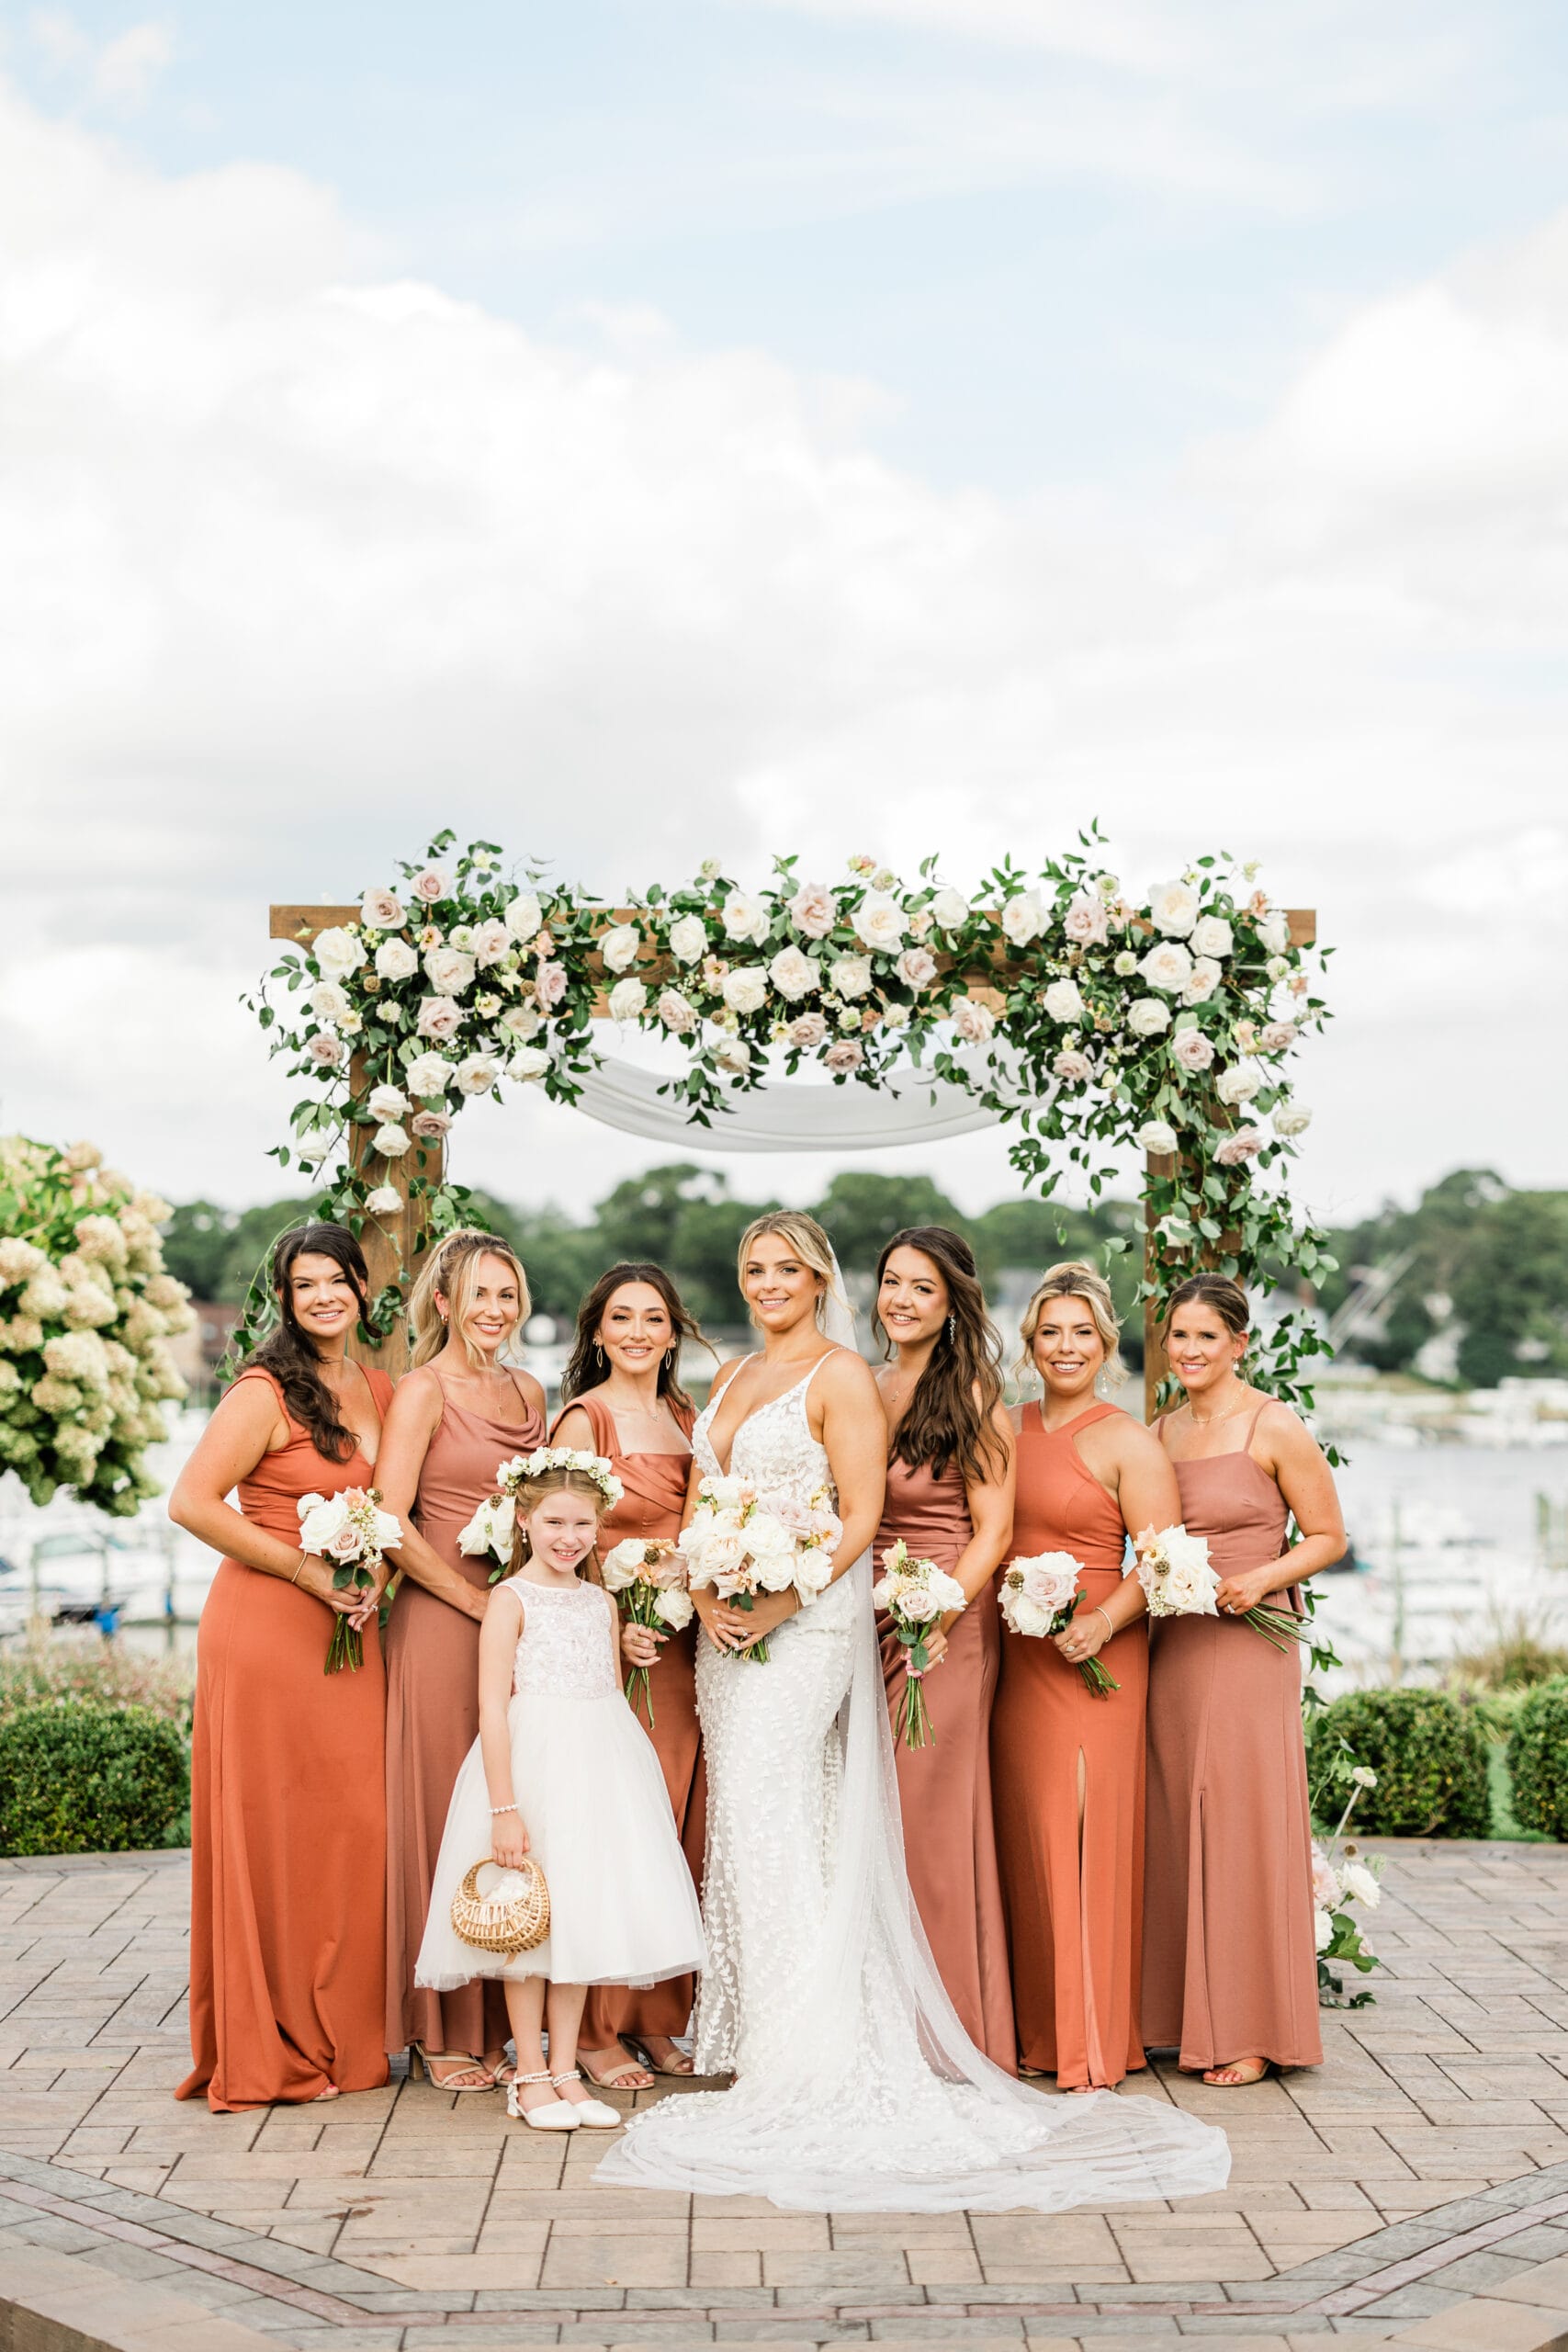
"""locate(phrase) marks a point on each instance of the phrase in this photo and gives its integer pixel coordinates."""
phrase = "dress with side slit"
(1230, 1957)
(1067, 1770)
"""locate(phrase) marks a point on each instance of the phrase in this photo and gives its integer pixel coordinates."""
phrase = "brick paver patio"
(1414, 2188)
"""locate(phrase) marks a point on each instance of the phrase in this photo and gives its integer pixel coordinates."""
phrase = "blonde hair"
(453, 1269)
(1072, 1279)
(532, 1493)
(804, 1236)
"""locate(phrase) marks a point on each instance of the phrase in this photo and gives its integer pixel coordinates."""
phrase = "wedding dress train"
(857, 2086)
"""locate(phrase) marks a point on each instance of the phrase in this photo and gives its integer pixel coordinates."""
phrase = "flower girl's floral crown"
(523, 1468)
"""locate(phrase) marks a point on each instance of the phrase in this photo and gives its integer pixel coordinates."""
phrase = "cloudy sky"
(650, 429)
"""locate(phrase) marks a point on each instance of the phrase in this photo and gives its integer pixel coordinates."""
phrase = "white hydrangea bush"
(86, 1312)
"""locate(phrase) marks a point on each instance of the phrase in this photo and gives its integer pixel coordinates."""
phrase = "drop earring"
(951, 1329)
(598, 1355)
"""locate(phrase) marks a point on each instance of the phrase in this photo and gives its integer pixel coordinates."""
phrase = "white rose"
(1274, 933)
(745, 917)
(1174, 907)
(917, 967)
(524, 1021)
(879, 921)
(619, 947)
(1023, 918)
(975, 1023)
(896, 1016)
(428, 1075)
(1204, 979)
(1211, 936)
(792, 974)
(813, 909)
(626, 1000)
(337, 952)
(529, 1062)
(385, 1201)
(524, 915)
(1062, 1001)
(1238, 1085)
(390, 1140)
(387, 1102)
(329, 1002)
(1360, 1883)
(746, 989)
(734, 1054)
(688, 939)
(1322, 1929)
(323, 1519)
(1167, 965)
(675, 1608)
(1291, 1119)
(1157, 1134)
(1026, 1616)
(478, 1074)
(1192, 1049)
(491, 942)
(850, 976)
(448, 970)
(1146, 1016)
(396, 960)
(950, 910)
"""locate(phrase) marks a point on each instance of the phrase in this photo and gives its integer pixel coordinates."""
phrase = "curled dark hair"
(289, 1353)
(587, 1366)
(949, 1417)
(1227, 1298)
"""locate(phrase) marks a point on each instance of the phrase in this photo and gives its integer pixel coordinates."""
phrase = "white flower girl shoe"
(593, 2114)
(556, 2115)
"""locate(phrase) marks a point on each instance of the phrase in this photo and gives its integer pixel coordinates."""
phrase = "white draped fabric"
(908, 1107)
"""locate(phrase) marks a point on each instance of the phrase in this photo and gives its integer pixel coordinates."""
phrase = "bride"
(856, 2085)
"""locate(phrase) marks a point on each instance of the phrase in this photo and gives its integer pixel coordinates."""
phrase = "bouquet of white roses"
(1179, 1580)
(493, 1526)
(1040, 1597)
(915, 1593)
(742, 1542)
(648, 1580)
(1340, 1877)
(352, 1532)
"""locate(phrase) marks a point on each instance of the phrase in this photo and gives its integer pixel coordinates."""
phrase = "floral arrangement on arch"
(1090, 1018)
(85, 1307)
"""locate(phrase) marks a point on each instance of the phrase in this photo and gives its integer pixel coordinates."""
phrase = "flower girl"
(563, 1771)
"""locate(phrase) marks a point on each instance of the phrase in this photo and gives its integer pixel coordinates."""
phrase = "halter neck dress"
(289, 1824)
(944, 1790)
(1072, 1893)
(1230, 1957)
(432, 1719)
(651, 1506)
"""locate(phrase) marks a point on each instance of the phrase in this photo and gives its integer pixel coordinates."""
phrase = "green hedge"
(77, 1780)
(1429, 1755)
(1537, 1758)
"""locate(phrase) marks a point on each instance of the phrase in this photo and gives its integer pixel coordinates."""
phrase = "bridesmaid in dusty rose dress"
(458, 1413)
(1069, 1766)
(1230, 1965)
(949, 1480)
(622, 1398)
(287, 1809)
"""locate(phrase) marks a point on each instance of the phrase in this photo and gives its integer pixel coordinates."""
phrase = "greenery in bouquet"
(85, 1310)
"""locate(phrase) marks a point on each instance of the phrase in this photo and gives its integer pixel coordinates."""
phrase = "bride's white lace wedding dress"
(857, 2086)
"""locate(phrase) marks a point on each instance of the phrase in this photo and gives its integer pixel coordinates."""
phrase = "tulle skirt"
(589, 1786)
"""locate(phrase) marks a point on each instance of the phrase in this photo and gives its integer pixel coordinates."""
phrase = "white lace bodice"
(565, 1649)
(773, 1445)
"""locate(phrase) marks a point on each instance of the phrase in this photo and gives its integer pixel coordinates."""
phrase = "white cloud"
(117, 74)
(303, 563)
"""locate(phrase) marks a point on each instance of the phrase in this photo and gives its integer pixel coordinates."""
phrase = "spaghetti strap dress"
(1230, 1957)
(432, 1720)
(288, 1821)
(944, 1790)
(651, 1506)
(1073, 1891)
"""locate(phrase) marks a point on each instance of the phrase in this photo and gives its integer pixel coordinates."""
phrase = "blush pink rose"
(812, 910)
(549, 986)
(917, 967)
(1192, 1049)
(1278, 1036)
(1072, 1068)
(1245, 1144)
(975, 1023)
(325, 1050)
(1086, 922)
(808, 1030)
(429, 886)
(430, 1125)
(382, 911)
(491, 942)
(439, 1017)
(848, 1054)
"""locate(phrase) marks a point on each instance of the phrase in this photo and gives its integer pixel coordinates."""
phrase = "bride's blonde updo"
(804, 1237)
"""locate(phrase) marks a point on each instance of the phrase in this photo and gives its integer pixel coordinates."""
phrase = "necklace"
(1199, 1422)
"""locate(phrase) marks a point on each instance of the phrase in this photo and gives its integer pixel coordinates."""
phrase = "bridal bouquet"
(493, 1526)
(352, 1532)
(915, 1593)
(1041, 1597)
(1179, 1580)
(742, 1542)
(648, 1580)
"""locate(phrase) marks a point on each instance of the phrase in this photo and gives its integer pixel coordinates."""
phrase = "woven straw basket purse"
(508, 1924)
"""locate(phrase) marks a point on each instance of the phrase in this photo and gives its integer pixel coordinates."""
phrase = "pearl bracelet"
(502, 1808)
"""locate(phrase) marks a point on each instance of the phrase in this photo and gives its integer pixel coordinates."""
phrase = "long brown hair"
(588, 1367)
(949, 1415)
(290, 1352)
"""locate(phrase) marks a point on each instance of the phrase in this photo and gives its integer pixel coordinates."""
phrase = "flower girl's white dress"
(591, 1792)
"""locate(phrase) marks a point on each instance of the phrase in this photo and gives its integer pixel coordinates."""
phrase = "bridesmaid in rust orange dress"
(459, 1412)
(950, 1477)
(1068, 1766)
(287, 1810)
(623, 1399)
(1230, 1959)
